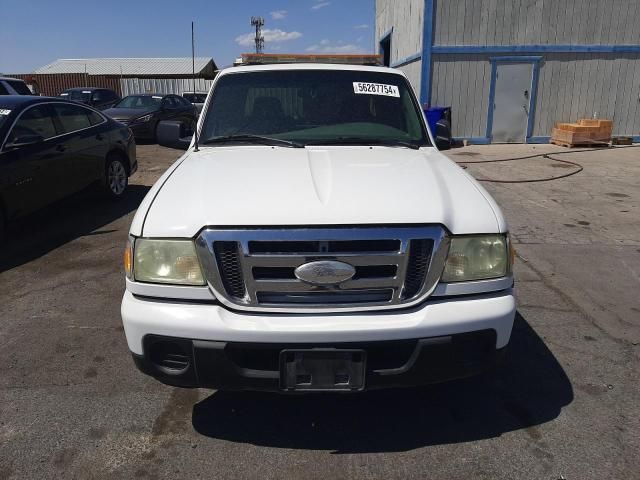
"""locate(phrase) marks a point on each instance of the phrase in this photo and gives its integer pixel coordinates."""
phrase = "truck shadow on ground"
(528, 389)
(79, 215)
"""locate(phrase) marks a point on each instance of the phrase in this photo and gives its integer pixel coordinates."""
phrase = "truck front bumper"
(206, 345)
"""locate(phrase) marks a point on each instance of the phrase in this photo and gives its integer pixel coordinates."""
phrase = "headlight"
(477, 257)
(166, 261)
(142, 119)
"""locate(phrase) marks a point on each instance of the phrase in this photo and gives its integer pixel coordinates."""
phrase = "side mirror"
(25, 141)
(443, 134)
(174, 135)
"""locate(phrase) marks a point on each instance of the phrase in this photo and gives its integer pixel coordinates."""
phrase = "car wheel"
(116, 176)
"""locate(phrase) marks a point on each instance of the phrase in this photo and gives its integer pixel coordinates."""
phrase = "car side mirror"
(174, 134)
(25, 141)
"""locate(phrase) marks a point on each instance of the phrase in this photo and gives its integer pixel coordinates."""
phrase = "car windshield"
(195, 97)
(316, 107)
(83, 96)
(142, 102)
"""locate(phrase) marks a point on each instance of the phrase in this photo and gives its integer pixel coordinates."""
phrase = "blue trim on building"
(533, 89)
(488, 49)
(533, 94)
(492, 98)
(406, 60)
(516, 58)
(474, 140)
(538, 139)
(384, 36)
(427, 44)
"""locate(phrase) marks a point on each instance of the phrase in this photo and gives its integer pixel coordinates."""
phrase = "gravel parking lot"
(564, 405)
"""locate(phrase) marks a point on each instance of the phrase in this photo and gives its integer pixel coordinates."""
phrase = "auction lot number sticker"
(376, 89)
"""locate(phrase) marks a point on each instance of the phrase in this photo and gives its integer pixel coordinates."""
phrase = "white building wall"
(533, 22)
(404, 20)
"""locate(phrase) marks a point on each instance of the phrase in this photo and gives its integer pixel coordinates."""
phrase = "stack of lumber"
(587, 132)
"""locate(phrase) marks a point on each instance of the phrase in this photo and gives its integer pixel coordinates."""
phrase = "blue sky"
(36, 32)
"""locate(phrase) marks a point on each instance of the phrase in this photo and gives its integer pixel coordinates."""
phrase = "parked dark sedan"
(100, 98)
(51, 148)
(143, 112)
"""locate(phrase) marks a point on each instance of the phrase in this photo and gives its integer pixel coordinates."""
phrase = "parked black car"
(51, 148)
(100, 98)
(13, 86)
(197, 99)
(143, 112)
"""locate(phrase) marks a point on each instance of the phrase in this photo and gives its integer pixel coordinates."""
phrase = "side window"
(109, 95)
(99, 96)
(72, 117)
(183, 102)
(3, 89)
(169, 102)
(94, 118)
(35, 121)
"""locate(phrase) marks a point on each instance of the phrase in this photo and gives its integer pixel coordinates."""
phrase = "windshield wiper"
(364, 141)
(254, 139)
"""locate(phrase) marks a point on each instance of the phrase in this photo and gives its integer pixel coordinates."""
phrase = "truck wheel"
(116, 177)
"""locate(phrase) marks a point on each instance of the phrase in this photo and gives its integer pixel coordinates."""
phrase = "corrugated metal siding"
(130, 86)
(130, 66)
(521, 22)
(573, 86)
(52, 85)
(462, 82)
(413, 71)
(570, 86)
(406, 18)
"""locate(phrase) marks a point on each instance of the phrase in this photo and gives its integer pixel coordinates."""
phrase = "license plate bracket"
(321, 369)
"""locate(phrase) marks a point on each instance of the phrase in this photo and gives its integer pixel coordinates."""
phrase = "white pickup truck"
(315, 240)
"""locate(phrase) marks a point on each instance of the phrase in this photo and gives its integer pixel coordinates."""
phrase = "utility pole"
(258, 22)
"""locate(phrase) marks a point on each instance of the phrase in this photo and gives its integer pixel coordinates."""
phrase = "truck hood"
(338, 185)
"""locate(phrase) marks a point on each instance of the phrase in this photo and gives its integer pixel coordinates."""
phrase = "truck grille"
(255, 269)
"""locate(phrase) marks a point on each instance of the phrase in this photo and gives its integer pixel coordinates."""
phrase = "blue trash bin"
(434, 114)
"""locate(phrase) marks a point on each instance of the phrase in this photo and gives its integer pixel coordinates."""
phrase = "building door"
(512, 92)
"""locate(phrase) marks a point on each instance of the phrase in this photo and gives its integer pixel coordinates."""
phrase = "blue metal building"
(511, 69)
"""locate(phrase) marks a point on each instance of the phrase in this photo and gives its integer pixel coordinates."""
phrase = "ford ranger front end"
(316, 241)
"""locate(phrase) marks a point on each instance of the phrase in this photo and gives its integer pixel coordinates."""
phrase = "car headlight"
(144, 118)
(166, 261)
(477, 257)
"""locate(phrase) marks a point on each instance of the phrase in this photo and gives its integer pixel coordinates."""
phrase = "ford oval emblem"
(325, 272)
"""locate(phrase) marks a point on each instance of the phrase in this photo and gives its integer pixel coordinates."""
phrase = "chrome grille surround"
(371, 288)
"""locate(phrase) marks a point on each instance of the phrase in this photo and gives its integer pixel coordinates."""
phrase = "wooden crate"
(587, 132)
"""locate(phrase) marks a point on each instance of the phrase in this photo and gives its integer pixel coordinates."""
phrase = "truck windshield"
(315, 107)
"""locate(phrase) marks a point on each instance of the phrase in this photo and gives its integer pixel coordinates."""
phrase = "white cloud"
(362, 26)
(325, 46)
(320, 5)
(278, 14)
(270, 35)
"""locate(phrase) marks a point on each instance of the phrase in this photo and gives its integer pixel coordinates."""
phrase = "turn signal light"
(127, 260)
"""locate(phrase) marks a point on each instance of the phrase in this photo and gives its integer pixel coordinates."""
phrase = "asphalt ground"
(564, 404)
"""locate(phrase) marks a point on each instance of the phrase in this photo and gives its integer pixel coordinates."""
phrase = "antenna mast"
(258, 22)
(193, 78)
